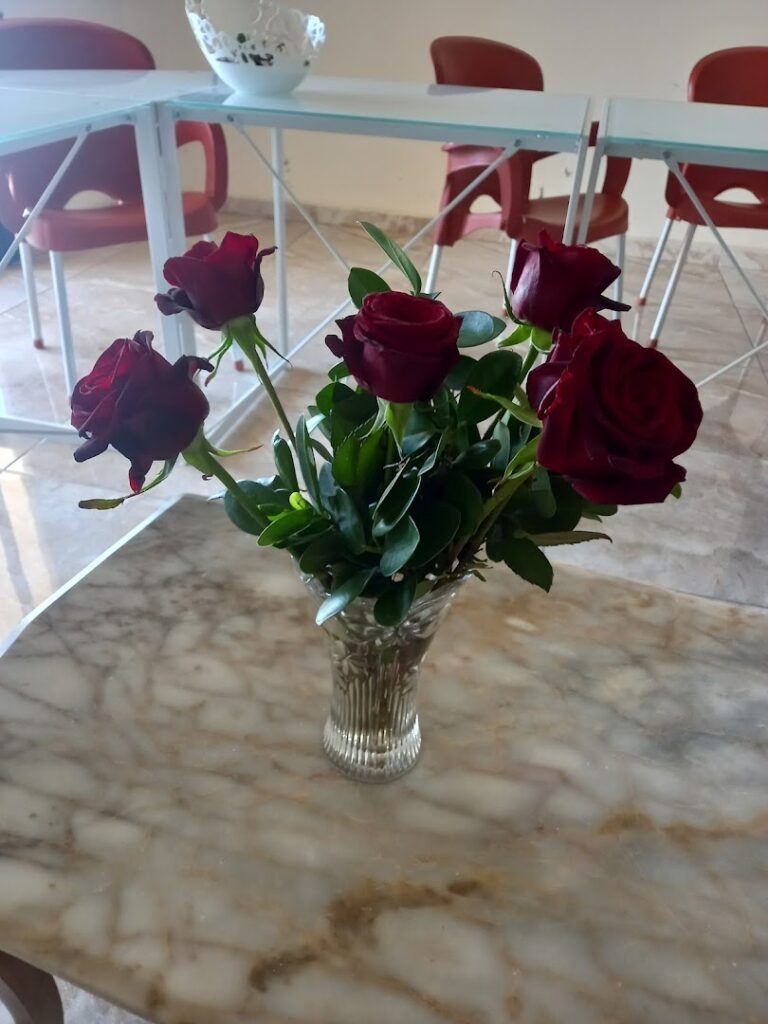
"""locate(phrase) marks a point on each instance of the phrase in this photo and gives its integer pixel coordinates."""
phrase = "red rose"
(215, 283)
(614, 414)
(136, 401)
(552, 283)
(399, 346)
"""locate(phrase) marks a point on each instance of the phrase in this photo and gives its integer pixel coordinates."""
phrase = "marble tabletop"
(585, 840)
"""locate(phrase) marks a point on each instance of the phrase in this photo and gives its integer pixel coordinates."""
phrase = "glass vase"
(372, 733)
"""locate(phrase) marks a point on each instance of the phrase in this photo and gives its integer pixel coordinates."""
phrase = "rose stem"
(249, 343)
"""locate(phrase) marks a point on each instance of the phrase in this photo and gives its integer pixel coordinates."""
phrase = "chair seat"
(76, 230)
(724, 214)
(610, 217)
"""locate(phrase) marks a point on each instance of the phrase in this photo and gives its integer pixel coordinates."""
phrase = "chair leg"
(618, 284)
(30, 995)
(434, 266)
(672, 285)
(65, 324)
(28, 273)
(654, 264)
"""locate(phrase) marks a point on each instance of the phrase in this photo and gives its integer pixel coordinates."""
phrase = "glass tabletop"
(142, 86)
(30, 117)
(404, 109)
(721, 132)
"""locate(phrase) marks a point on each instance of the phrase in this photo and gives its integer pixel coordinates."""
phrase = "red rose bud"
(135, 400)
(552, 283)
(215, 283)
(614, 414)
(399, 347)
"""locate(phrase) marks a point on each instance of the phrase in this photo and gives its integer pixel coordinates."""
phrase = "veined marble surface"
(584, 841)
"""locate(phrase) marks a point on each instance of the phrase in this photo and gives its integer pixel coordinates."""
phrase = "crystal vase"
(372, 733)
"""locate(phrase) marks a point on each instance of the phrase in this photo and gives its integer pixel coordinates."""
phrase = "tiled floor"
(714, 542)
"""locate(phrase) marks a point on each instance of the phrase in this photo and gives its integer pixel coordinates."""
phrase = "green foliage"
(343, 595)
(399, 544)
(396, 254)
(528, 561)
(478, 328)
(363, 282)
(394, 604)
(497, 373)
(394, 503)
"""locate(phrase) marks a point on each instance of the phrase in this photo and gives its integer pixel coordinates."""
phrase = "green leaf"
(359, 461)
(541, 491)
(362, 282)
(102, 504)
(525, 415)
(497, 373)
(347, 518)
(285, 525)
(567, 537)
(461, 492)
(529, 562)
(676, 492)
(502, 436)
(522, 457)
(396, 254)
(480, 454)
(394, 604)
(541, 339)
(459, 375)
(263, 496)
(281, 453)
(339, 371)
(400, 543)
(520, 334)
(344, 595)
(438, 524)
(394, 503)
(331, 395)
(478, 328)
(319, 555)
(320, 448)
(307, 462)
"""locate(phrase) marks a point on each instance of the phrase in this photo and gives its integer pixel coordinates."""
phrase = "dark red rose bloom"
(552, 283)
(215, 283)
(614, 414)
(399, 346)
(135, 400)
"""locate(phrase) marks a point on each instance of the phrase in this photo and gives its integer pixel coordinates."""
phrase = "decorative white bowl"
(256, 46)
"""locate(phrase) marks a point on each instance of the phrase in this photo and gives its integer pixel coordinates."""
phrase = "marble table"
(584, 841)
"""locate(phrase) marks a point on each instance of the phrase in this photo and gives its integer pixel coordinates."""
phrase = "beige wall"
(589, 46)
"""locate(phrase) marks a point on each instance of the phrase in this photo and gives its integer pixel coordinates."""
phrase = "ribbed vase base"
(368, 763)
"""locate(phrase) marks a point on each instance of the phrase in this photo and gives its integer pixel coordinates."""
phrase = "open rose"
(135, 400)
(552, 283)
(400, 347)
(615, 415)
(215, 283)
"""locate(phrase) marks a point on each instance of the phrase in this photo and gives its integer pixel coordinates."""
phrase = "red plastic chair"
(735, 76)
(107, 163)
(472, 61)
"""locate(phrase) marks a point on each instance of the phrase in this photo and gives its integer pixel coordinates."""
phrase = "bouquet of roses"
(418, 463)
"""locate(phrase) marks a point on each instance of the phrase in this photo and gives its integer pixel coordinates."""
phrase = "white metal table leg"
(671, 288)
(569, 228)
(33, 308)
(278, 207)
(434, 267)
(65, 323)
(653, 266)
(674, 167)
(618, 285)
(161, 191)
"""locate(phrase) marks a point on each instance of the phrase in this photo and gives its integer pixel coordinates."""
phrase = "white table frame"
(144, 120)
(673, 154)
(279, 120)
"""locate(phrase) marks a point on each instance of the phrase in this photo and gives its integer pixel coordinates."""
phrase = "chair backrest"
(738, 75)
(485, 63)
(108, 161)
(735, 76)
